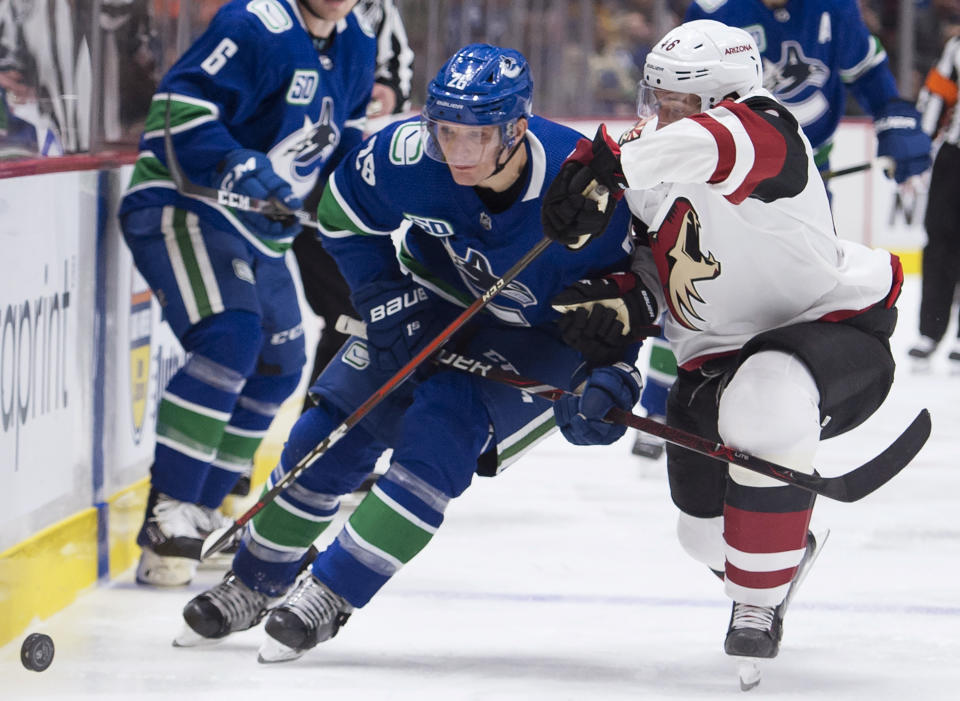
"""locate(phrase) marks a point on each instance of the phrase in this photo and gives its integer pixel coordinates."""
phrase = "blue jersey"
(812, 50)
(255, 79)
(454, 245)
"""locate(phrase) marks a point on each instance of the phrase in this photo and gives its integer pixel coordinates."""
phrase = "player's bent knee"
(343, 465)
(444, 432)
(271, 389)
(702, 539)
(231, 338)
(771, 409)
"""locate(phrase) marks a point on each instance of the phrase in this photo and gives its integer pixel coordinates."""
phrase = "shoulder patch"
(711, 5)
(272, 14)
(406, 147)
(303, 86)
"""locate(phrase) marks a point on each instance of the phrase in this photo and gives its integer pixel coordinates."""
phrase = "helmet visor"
(667, 106)
(459, 144)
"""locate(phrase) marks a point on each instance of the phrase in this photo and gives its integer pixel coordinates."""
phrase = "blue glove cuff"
(901, 137)
(621, 382)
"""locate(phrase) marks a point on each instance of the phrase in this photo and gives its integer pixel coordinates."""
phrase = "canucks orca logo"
(794, 72)
(300, 156)
(478, 275)
(321, 141)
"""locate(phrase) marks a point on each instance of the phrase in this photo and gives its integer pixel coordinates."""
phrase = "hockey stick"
(218, 539)
(885, 163)
(271, 208)
(849, 487)
(349, 326)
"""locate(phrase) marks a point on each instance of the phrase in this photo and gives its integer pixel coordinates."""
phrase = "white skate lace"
(180, 518)
(314, 604)
(241, 606)
(213, 519)
(750, 616)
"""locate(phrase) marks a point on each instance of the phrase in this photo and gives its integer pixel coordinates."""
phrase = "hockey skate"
(754, 632)
(649, 446)
(171, 538)
(309, 615)
(921, 353)
(229, 607)
(242, 486)
(954, 359)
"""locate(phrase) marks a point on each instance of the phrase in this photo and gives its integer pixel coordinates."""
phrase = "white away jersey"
(744, 240)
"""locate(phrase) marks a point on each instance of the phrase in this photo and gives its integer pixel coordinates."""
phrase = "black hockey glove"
(579, 202)
(602, 317)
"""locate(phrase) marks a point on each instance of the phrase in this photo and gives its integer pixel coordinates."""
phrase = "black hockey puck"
(36, 653)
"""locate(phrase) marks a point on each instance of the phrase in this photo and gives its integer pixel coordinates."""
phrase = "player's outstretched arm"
(581, 199)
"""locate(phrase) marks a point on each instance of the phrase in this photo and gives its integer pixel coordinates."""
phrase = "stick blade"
(872, 475)
(217, 541)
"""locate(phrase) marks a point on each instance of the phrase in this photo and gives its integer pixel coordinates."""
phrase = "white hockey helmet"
(705, 58)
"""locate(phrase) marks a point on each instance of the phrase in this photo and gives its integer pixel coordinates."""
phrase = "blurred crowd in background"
(77, 75)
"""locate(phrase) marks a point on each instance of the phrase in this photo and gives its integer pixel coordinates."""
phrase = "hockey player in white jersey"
(781, 329)
(817, 54)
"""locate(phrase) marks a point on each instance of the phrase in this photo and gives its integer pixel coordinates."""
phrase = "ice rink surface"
(562, 579)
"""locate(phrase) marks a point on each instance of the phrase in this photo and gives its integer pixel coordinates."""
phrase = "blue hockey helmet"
(480, 85)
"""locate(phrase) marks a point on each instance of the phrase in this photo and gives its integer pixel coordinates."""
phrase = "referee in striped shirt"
(941, 255)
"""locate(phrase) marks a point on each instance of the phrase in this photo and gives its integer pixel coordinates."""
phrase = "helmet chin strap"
(501, 166)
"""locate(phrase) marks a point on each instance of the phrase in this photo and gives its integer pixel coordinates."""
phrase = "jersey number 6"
(218, 59)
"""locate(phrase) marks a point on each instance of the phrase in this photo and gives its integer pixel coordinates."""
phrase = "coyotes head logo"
(680, 263)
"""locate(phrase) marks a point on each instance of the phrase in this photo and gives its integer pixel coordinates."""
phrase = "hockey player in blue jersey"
(814, 52)
(466, 180)
(264, 103)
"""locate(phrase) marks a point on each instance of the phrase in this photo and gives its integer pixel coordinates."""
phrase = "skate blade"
(161, 571)
(188, 637)
(806, 565)
(749, 672)
(920, 366)
(217, 561)
(272, 651)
